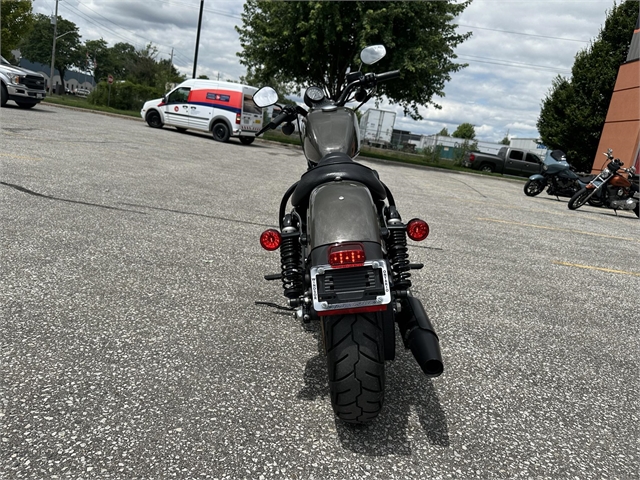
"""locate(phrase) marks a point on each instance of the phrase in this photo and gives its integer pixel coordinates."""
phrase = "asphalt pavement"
(132, 346)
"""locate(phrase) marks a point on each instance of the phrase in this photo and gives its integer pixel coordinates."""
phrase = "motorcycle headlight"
(545, 168)
(605, 174)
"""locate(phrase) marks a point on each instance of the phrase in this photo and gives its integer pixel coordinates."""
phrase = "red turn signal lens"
(347, 255)
(238, 118)
(417, 229)
(472, 157)
(270, 239)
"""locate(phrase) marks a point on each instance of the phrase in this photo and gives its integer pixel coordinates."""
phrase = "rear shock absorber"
(398, 252)
(291, 260)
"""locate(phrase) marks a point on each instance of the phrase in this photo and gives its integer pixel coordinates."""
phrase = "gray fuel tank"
(329, 130)
(342, 212)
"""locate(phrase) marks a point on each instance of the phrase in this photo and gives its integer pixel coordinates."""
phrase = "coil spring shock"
(291, 261)
(399, 257)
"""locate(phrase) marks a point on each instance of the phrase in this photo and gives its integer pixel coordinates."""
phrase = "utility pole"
(195, 59)
(53, 50)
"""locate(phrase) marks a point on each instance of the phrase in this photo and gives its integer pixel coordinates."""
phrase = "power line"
(504, 63)
(524, 34)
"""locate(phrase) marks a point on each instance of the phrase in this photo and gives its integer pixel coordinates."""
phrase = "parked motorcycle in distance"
(558, 178)
(343, 249)
(614, 189)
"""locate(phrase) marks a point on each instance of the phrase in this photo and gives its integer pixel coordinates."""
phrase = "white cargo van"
(225, 109)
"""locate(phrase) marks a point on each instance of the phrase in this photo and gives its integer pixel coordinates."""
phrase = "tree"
(37, 45)
(444, 132)
(466, 131)
(16, 21)
(505, 140)
(574, 110)
(316, 42)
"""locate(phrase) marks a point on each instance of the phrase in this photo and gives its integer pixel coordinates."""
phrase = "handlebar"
(383, 77)
(368, 80)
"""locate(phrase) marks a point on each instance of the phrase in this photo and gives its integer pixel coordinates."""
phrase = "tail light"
(238, 118)
(347, 255)
(270, 239)
(417, 229)
(472, 157)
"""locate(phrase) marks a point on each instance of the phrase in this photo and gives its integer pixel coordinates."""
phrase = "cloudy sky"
(517, 48)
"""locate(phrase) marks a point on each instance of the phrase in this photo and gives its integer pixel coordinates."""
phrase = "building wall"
(73, 80)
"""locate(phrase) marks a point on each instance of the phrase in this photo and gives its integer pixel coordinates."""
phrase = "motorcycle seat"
(586, 178)
(334, 166)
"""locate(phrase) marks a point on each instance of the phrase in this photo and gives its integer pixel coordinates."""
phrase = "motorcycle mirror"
(265, 97)
(372, 54)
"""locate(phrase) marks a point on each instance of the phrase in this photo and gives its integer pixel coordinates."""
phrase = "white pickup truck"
(20, 85)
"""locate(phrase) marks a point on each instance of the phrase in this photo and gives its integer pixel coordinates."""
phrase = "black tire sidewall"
(532, 182)
(220, 132)
(4, 96)
(150, 119)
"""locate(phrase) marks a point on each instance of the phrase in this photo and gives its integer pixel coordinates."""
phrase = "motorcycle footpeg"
(416, 266)
(274, 276)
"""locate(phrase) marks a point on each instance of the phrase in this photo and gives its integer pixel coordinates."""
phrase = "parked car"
(510, 161)
(82, 92)
(22, 86)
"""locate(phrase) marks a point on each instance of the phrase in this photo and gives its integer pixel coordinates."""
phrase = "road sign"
(110, 79)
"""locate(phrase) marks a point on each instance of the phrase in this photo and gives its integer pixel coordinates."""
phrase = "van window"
(516, 154)
(249, 106)
(179, 96)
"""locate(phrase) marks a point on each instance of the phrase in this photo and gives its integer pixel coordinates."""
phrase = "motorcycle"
(343, 248)
(613, 189)
(558, 178)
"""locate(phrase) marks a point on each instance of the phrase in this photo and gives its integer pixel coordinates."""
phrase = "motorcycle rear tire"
(578, 199)
(533, 188)
(355, 359)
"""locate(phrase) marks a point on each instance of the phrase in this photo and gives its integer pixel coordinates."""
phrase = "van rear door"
(251, 117)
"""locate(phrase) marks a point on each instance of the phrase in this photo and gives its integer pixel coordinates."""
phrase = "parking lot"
(132, 346)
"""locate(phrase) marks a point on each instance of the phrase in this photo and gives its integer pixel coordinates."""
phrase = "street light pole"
(195, 59)
(53, 50)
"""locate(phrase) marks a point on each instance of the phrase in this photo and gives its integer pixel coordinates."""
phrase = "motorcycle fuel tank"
(330, 129)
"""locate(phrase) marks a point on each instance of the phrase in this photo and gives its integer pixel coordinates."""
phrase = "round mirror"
(372, 54)
(265, 96)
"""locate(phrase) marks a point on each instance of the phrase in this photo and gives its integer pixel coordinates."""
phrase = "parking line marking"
(589, 267)
(20, 157)
(560, 229)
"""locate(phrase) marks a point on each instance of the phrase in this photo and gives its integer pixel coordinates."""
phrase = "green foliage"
(444, 132)
(465, 130)
(315, 42)
(16, 21)
(505, 140)
(461, 150)
(124, 96)
(573, 112)
(36, 46)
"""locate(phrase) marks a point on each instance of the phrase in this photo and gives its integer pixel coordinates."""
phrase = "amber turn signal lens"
(417, 229)
(270, 239)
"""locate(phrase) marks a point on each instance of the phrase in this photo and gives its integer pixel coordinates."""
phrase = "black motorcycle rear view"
(343, 249)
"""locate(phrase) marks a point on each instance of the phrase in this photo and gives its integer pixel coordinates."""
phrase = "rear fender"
(342, 212)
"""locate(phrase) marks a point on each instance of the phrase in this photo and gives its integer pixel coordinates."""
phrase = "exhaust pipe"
(419, 336)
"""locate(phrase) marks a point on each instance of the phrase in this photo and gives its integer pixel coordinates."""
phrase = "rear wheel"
(153, 119)
(247, 140)
(220, 132)
(579, 199)
(533, 188)
(485, 167)
(26, 104)
(355, 357)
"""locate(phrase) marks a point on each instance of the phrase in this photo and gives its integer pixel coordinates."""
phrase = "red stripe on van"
(216, 97)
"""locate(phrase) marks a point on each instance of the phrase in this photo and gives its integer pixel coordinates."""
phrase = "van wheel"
(220, 132)
(247, 140)
(153, 119)
(4, 96)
